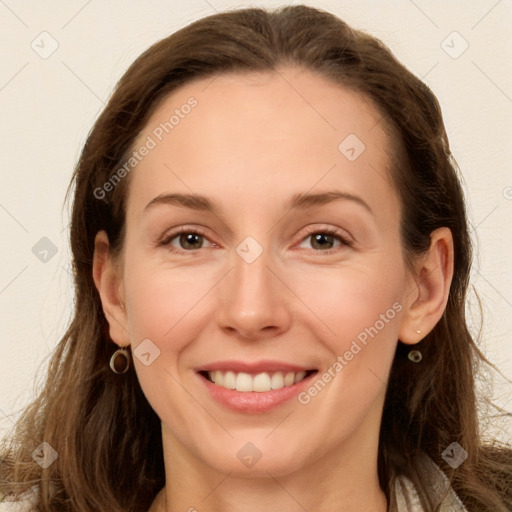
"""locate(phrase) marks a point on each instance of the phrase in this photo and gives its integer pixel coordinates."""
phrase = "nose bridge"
(253, 300)
(251, 274)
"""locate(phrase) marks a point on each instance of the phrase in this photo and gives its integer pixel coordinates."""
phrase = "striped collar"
(407, 497)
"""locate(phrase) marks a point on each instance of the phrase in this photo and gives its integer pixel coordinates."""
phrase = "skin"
(251, 143)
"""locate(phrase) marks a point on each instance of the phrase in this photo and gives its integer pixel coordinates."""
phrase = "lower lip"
(254, 401)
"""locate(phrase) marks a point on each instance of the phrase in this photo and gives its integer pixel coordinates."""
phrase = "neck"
(344, 480)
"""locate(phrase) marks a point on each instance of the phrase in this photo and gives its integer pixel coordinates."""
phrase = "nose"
(254, 300)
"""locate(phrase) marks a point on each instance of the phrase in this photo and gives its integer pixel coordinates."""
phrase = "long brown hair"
(106, 434)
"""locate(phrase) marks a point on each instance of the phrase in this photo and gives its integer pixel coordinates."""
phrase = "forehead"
(262, 133)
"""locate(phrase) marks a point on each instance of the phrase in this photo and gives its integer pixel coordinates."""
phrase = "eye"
(188, 240)
(325, 240)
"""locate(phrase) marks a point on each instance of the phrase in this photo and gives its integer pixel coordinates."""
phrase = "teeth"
(277, 381)
(289, 379)
(299, 376)
(243, 382)
(260, 383)
(229, 380)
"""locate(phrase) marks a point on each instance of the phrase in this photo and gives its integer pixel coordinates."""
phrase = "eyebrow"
(298, 201)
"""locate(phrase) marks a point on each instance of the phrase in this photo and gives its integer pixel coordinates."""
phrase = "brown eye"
(321, 241)
(327, 240)
(183, 241)
(190, 240)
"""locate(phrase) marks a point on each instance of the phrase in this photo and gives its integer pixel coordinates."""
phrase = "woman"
(271, 257)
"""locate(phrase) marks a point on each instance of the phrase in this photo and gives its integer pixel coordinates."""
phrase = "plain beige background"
(60, 62)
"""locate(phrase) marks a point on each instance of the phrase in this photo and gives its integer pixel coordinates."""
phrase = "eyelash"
(344, 241)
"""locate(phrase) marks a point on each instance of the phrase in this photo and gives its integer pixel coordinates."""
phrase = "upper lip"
(262, 366)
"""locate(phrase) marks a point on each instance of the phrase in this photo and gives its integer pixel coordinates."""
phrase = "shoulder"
(24, 503)
(15, 506)
(407, 496)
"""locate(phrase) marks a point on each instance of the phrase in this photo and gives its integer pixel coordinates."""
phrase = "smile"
(262, 382)
(256, 387)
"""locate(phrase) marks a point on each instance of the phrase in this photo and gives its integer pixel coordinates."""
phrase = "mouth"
(254, 388)
(260, 383)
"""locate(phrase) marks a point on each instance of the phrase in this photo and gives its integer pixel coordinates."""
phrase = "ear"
(110, 287)
(428, 289)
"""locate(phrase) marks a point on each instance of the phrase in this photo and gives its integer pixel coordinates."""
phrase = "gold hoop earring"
(120, 361)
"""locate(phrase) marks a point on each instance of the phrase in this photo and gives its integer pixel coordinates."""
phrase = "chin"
(257, 459)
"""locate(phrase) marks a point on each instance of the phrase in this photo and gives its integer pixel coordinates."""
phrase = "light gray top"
(407, 498)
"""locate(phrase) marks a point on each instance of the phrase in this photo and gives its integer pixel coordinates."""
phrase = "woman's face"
(263, 242)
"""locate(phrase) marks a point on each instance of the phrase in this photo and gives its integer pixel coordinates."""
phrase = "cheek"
(348, 301)
(160, 300)
(361, 308)
(170, 303)
(166, 306)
